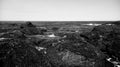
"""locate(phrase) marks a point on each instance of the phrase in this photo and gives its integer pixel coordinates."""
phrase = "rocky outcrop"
(89, 49)
(106, 38)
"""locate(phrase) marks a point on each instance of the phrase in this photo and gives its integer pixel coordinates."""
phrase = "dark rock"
(13, 34)
(17, 52)
(29, 24)
(106, 38)
(30, 29)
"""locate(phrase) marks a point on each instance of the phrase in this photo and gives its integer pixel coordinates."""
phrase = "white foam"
(40, 48)
(2, 38)
(92, 24)
(52, 35)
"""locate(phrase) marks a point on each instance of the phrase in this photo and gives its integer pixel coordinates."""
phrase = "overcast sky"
(60, 10)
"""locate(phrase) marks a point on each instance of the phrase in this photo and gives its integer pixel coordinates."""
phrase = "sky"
(59, 10)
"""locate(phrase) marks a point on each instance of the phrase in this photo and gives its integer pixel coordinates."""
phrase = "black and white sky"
(60, 10)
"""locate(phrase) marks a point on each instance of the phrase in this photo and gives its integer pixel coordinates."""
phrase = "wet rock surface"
(20, 47)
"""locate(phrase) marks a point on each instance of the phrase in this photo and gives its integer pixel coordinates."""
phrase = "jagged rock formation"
(89, 49)
(106, 38)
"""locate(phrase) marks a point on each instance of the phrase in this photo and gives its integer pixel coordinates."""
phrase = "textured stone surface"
(74, 50)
